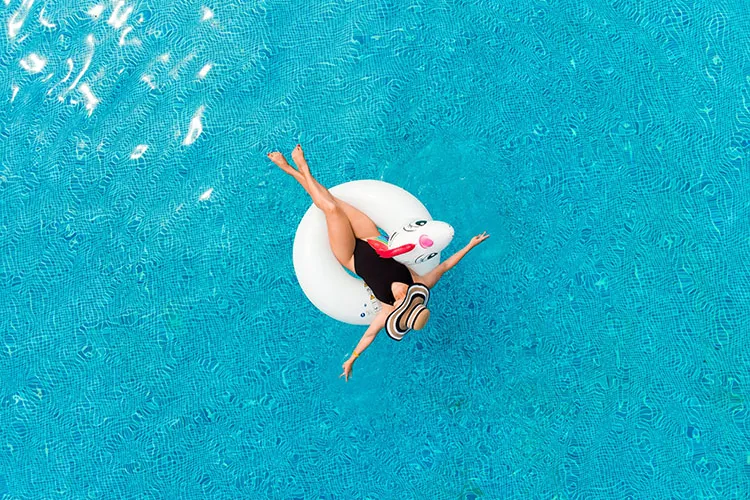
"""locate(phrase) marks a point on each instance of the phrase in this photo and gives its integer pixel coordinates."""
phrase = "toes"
(277, 158)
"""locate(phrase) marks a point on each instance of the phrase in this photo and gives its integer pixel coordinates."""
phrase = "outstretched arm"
(372, 331)
(431, 278)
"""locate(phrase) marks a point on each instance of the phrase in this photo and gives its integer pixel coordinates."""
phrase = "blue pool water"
(155, 344)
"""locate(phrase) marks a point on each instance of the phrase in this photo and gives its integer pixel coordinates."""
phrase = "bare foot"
(299, 159)
(281, 162)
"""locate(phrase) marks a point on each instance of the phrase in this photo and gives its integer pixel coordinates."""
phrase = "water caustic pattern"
(154, 342)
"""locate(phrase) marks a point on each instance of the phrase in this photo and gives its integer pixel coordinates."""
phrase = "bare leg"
(313, 185)
(281, 162)
(364, 228)
(340, 233)
(362, 225)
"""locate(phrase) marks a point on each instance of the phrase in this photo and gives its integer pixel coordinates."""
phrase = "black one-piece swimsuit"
(379, 273)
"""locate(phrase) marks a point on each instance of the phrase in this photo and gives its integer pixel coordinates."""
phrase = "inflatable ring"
(327, 284)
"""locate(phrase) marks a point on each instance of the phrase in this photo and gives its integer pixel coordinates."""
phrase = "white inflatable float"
(414, 238)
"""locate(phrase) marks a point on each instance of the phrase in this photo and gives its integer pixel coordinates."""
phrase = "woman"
(403, 293)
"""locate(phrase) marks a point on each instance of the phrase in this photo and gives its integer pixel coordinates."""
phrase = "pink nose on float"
(425, 241)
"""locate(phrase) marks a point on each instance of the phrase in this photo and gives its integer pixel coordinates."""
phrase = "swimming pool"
(155, 343)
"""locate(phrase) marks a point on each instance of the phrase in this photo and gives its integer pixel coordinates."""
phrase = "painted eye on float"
(424, 258)
(413, 226)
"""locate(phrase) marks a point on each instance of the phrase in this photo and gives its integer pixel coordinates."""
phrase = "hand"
(476, 240)
(347, 366)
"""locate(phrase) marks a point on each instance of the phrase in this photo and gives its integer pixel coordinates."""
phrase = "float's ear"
(382, 249)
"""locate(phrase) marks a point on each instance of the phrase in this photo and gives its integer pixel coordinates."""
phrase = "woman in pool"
(402, 292)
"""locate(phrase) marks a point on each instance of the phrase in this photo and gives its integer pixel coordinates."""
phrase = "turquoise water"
(154, 344)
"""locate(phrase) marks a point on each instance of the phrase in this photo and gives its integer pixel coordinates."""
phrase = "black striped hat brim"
(416, 292)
